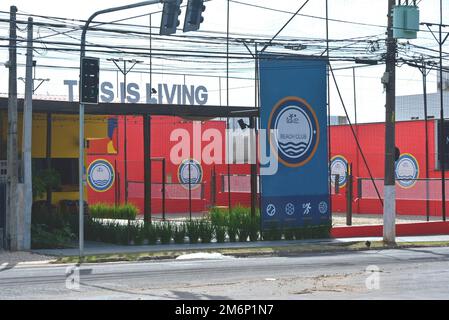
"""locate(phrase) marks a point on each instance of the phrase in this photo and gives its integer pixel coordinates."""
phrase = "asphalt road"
(392, 274)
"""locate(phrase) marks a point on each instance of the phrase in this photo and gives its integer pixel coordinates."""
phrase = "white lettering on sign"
(174, 94)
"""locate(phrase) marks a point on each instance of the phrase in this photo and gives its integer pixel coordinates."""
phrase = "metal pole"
(48, 156)
(356, 129)
(125, 143)
(81, 116)
(348, 195)
(424, 78)
(253, 169)
(442, 140)
(227, 104)
(389, 232)
(163, 189)
(12, 146)
(27, 138)
(147, 168)
(328, 102)
(190, 191)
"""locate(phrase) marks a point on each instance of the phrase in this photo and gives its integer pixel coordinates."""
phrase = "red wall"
(161, 129)
(410, 138)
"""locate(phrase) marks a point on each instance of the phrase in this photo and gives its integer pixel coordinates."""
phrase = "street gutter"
(269, 251)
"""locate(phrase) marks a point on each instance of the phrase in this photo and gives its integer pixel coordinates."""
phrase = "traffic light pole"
(81, 173)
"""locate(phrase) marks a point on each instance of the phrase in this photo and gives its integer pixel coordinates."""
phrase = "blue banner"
(293, 108)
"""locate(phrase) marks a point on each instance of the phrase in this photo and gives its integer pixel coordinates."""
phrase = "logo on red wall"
(190, 170)
(339, 165)
(100, 175)
(407, 170)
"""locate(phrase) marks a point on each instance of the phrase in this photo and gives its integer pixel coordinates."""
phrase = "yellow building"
(63, 148)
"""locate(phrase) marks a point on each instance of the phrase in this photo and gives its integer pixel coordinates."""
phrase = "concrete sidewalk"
(97, 248)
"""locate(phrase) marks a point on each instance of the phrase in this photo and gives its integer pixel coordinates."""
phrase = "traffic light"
(90, 80)
(193, 19)
(170, 17)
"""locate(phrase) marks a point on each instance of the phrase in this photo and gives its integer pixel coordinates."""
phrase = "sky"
(245, 21)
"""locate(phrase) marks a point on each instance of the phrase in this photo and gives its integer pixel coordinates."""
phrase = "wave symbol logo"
(297, 131)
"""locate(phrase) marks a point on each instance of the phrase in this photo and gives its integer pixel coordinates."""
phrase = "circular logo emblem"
(289, 209)
(339, 165)
(271, 210)
(322, 207)
(296, 134)
(407, 170)
(100, 175)
(190, 168)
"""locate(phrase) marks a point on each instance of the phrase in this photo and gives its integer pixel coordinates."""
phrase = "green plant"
(254, 228)
(165, 232)
(106, 211)
(233, 223)
(43, 238)
(136, 234)
(43, 180)
(272, 232)
(179, 233)
(193, 231)
(220, 233)
(206, 230)
(120, 232)
(218, 216)
(289, 234)
(151, 233)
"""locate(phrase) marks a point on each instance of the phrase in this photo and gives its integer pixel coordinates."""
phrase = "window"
(446, 147)
(66, 167)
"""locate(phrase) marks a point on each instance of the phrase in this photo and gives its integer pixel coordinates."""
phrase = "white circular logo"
(407, 170)
(289, 209)
(190, 168)
(296, 131)
(271, 210)
(322, 207)
(339, 165)
(100, 175)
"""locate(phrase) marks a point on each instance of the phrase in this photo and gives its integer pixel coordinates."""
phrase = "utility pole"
(27, 139)
(389, 80)
(12, 153)
(443, 131)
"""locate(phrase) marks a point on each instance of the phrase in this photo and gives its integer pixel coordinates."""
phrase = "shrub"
(232, 223)
(179, 233)
(206, 230)
(136, 234)
(193, 231)
(49, 228)
(165, 232)
(107, 211)
(121, 233)
(289, 234)
(220, 233)
(254, 228)
(273, 232)
(218, 216)
(43, 180)
(43, 238)
(151, 233)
